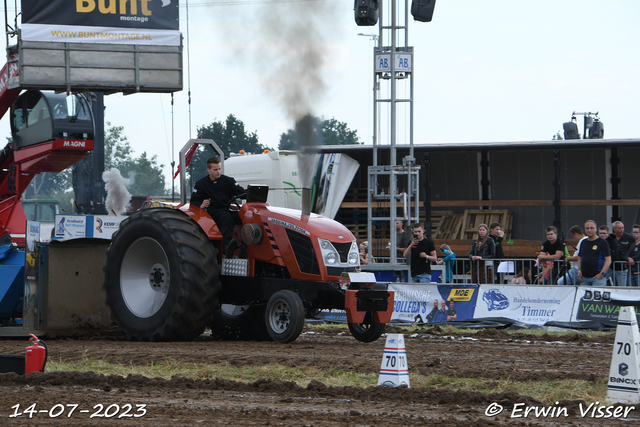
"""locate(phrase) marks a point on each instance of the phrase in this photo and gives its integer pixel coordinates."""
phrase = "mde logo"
(74, 143)
(458, 294)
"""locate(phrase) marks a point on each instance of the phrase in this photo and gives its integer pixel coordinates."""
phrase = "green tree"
(230, 135)
(146, 175)
(288, 140)
(557, 137)
(326, 131)
(337, 133)
(117, 149)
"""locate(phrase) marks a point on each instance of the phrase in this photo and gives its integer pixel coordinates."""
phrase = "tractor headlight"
(329, 254)
(330, 258)
(353, 258)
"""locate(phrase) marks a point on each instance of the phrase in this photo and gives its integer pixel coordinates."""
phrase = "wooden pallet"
(440, 223)
(360, 231)
(473, 218)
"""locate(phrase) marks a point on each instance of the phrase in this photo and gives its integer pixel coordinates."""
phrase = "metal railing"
(528, 271)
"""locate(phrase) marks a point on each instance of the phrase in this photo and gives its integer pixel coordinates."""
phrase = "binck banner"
(149, 22)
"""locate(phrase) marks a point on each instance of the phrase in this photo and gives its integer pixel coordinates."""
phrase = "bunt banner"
(150, 22)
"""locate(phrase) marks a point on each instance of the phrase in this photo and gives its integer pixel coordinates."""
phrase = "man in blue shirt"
(594, 257)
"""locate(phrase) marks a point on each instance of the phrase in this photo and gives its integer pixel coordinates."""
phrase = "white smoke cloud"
(118, 197)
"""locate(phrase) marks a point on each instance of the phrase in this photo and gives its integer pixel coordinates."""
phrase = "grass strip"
(545, 391)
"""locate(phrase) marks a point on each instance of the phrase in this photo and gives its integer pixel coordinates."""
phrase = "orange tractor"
(166, 278)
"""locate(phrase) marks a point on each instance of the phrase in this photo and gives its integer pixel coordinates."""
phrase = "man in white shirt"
(571, 277)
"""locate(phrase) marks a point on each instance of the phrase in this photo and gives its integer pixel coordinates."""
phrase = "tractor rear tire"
(368, 331)
(240, 323)
(161, 276)
(284, 316)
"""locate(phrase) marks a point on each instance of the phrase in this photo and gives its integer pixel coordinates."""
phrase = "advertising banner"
(433, 303)
(534, 305)
(30, 301)
(150, 14)
(105, 225)
(594, 303)
(149, 22)
(70, 226)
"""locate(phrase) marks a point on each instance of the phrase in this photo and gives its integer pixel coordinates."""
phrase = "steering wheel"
(234, 203)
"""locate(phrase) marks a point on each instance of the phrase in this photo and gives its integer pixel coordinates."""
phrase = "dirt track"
(491, 354)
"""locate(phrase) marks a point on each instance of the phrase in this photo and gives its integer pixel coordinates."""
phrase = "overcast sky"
(490, 70)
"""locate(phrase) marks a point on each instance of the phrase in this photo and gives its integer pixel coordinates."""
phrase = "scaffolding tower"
(393, 192)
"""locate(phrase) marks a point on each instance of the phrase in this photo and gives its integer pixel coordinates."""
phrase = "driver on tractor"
(212, 193)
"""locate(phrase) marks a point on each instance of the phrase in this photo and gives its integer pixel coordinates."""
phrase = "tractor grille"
(303, 250)
(343, 250)
(337, 271)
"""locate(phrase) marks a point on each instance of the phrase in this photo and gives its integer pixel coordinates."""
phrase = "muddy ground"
(491, 354)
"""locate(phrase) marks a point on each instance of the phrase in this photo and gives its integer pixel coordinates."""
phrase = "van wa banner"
(149, 22)
(593, 304)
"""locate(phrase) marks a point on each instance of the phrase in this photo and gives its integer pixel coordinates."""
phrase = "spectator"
(614, 248)
(625, 241)
(553, 249)
(522, 278)
(448, 261)
(545, 274)
(483, 248)
(451, 313)
(422, 251)
(402, 237)
(571, 262)
(364, 253)
(497, 235)
(594, 257)
(633, 257)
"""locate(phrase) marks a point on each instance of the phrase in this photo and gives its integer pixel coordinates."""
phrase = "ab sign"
(403, 62)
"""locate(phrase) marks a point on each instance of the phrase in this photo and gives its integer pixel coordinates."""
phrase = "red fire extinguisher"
(36, 356)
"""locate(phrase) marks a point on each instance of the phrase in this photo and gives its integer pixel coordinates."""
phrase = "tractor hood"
(317, 225)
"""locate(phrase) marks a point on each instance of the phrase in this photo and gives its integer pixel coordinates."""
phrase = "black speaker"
(570, 130)
(366, 12)
(422, 10)
(597, 130)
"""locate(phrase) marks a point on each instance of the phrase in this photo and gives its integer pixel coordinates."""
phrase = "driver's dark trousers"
(225, 222)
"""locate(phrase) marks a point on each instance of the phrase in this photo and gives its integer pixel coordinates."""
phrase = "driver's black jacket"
(220, 191)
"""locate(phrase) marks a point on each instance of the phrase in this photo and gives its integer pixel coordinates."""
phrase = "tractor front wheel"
(367, 331)
(284, 316)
